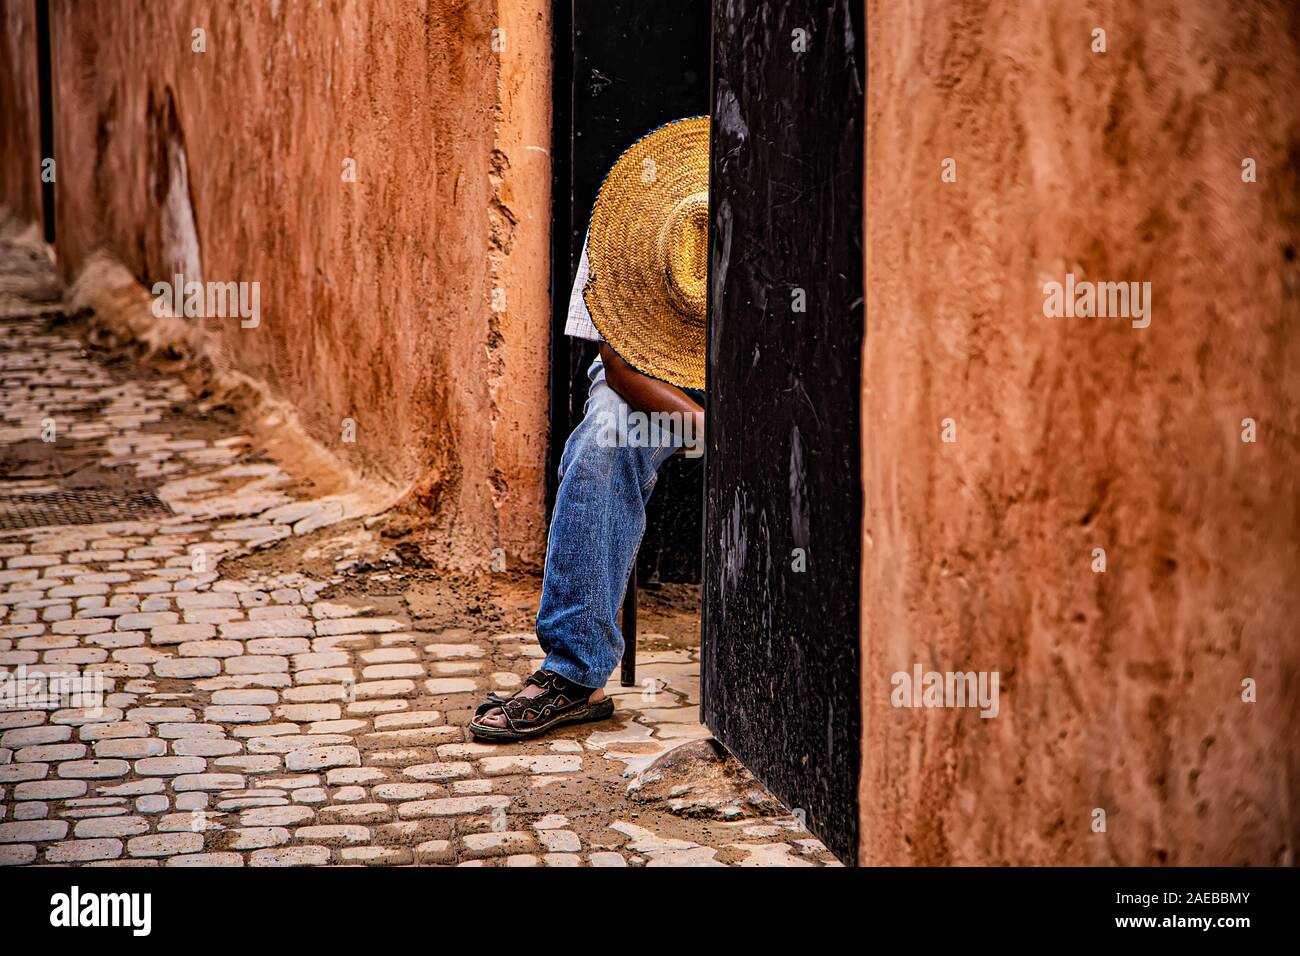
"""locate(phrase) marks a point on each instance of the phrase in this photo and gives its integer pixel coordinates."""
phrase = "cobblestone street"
(276, 691)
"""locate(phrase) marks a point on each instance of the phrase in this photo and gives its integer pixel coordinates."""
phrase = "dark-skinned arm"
(646, 394)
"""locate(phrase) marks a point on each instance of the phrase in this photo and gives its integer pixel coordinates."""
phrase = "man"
(640, 293)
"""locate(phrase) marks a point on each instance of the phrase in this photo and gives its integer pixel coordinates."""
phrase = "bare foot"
(496, 716)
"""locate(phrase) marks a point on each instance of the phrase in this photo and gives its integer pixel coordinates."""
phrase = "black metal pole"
(627, 675)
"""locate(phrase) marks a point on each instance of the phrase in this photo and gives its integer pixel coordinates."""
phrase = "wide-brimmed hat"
(647, 253)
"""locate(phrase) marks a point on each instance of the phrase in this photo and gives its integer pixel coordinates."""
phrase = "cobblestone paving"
(253, 720)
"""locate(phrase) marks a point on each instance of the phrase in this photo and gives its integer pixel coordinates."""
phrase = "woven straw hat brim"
(654, 323)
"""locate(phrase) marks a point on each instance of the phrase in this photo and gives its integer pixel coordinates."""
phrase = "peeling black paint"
(780, 655)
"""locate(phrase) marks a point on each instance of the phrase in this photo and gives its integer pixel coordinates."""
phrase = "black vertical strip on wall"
(45, 84)
(563, 265)
(783, 475)
(622, 68)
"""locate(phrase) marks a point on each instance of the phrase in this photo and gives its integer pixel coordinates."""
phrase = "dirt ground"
(288, 679)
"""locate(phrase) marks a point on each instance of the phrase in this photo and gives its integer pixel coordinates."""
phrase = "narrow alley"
(281, 683)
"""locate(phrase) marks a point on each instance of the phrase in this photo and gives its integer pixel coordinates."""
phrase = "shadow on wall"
(172, 241)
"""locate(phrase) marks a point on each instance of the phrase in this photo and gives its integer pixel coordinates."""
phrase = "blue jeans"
(596, 529)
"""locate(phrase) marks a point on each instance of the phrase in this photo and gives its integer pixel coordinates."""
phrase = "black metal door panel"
(783, 501)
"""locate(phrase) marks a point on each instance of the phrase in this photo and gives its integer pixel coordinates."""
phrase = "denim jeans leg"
(596, 529)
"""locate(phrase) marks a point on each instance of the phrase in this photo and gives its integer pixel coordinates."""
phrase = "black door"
(783, 501)
(45, 84)
(622, 68)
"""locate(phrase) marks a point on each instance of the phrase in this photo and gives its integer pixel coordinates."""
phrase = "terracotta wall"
(412, 300)
(1120, 690)
(20, 138)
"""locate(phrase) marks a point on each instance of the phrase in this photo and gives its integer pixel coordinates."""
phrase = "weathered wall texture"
(20, 138)
(377, 296)
(1119, 690)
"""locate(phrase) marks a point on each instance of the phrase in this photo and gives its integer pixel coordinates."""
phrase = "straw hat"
(647, 253)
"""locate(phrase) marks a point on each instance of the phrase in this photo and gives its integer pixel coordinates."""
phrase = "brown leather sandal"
(561, 702)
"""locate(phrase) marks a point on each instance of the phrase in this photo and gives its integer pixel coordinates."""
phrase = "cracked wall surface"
(410, 298)
(1122, 690)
